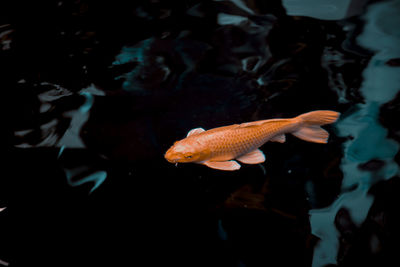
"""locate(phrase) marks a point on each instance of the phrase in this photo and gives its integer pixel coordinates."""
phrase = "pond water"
(93, 94)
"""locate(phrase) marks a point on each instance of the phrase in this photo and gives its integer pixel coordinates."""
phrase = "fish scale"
(233, 143)
(241, 140)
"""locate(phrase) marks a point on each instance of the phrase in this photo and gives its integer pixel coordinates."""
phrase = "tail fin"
(319, 117)
(309, 125)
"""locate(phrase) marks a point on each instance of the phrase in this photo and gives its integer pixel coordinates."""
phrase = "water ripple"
(369, 138)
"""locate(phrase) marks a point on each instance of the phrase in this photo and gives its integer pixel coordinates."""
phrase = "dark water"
(94, 93)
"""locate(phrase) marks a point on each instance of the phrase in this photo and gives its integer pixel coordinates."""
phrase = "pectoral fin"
(195, 131)
(278, 138)
(254, 157)
(230, 165)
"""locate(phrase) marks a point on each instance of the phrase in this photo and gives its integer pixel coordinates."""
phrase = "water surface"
(95, 93)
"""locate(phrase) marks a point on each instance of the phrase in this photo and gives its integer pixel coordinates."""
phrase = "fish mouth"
(172, 160)
(169, 158)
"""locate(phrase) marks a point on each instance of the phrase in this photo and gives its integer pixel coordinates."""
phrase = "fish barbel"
(219, 148)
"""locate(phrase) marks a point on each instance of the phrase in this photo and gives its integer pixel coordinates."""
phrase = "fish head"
(186, 150)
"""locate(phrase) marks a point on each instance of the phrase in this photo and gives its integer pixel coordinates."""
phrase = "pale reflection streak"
(381, 84)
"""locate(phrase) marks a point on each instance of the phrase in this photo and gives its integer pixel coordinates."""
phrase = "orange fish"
(219, 148)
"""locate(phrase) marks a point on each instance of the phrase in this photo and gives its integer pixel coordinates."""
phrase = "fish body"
(219, 148)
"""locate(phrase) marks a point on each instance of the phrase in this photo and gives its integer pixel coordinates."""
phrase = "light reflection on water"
(326, 10)
(71, 138)
(381, 84)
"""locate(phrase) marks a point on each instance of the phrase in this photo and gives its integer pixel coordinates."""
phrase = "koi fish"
(220, 148)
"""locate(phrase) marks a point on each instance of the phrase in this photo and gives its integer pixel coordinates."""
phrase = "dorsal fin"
(258, 123)
(223, 128)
